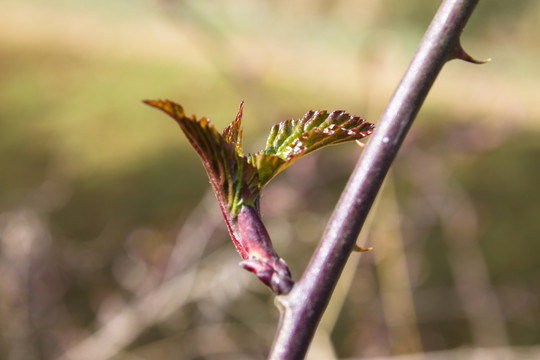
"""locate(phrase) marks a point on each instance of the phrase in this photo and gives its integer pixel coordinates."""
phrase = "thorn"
(361, 249)
(461, 54)
(361, 144)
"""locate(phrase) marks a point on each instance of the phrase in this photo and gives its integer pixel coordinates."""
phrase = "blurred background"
(112, 247)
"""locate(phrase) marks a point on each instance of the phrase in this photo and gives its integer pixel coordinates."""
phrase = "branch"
(302, 309)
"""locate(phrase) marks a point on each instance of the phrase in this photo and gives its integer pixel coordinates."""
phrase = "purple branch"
(303, 307)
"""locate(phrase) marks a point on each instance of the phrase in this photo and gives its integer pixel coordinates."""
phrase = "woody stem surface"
(302, 308)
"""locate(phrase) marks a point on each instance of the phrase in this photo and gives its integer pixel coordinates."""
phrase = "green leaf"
(291, 139)
(237, 179)
(233, 179)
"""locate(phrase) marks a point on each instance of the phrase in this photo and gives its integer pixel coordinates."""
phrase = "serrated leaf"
(233, 132)
(233, 179)
(237, 179)
(291, 139)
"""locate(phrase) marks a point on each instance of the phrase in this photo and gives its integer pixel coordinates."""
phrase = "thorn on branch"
(459, 53)
(361, 144)
(361, 249)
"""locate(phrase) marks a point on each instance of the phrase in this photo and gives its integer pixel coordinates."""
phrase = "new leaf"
(237, 179)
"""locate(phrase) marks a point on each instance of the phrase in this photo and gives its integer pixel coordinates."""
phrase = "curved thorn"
(361, 249)
(459, 53)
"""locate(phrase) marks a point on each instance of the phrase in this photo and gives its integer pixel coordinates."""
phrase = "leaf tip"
(155, 103)
(238, 118)
(167, 106)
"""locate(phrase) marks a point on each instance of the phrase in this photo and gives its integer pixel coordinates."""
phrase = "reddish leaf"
(237, 179)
